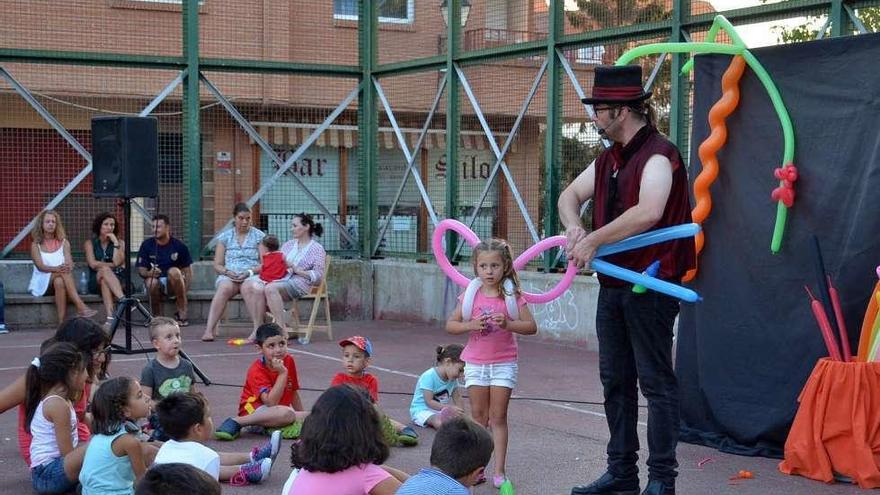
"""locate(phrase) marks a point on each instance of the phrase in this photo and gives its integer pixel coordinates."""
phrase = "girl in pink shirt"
(341, 448)
(491, 311)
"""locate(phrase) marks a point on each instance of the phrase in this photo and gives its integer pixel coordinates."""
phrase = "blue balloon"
(648, 238)
(652, 283)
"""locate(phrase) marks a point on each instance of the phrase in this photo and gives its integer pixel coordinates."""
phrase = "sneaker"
(3, 329)
(408, 431)
(251, 473)
(228, 430)
(269, 449)
(407, 441)
(290, 431)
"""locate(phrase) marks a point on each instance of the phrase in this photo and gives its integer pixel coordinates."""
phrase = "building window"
(396, 11)
(590, 55)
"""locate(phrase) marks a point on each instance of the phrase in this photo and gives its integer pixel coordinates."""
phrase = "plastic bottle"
(83, 286)
(3, 328)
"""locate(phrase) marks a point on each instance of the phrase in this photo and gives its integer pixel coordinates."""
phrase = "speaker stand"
(125, 305)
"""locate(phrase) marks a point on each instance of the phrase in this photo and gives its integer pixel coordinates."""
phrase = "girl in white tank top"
(53, 382)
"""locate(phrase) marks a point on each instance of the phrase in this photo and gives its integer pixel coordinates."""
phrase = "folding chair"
(316, 295)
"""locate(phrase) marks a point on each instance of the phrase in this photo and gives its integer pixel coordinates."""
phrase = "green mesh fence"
(38, 163)
(283, 112)
(119, 54)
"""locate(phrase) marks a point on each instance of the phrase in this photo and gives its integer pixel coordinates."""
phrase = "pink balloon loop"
(437, 244)
(533, 252)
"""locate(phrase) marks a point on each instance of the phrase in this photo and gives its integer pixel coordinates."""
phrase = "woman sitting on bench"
(53, 265)
(305, 259)
(236, 259)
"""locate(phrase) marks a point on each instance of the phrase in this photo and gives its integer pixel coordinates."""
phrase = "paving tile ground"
(554, 444)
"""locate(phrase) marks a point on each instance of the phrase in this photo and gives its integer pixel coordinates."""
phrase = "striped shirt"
(432, 481)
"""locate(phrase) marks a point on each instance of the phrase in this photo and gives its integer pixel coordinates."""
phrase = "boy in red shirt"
(356, 356)
(270, 396)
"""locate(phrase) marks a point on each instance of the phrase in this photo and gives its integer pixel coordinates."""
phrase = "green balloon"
(737, 48)
(506, 488)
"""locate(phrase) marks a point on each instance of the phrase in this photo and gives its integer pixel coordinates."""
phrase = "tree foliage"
(605, 14)
(809, 30)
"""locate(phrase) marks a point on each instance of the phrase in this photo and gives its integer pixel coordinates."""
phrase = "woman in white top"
(53, 265)
(305, 259)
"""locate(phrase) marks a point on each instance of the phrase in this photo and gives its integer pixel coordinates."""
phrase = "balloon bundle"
(830, 299)
(869, 341)
(599, 265)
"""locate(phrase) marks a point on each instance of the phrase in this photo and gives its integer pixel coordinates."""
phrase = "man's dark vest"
(627, 162)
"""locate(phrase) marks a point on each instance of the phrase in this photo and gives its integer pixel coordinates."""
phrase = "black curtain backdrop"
(745, 352)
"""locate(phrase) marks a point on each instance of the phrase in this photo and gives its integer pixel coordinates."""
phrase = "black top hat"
(617, 84)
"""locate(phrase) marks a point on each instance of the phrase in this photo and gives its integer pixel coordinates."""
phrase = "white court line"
(337, 358)
(379, 368)
(411, 375)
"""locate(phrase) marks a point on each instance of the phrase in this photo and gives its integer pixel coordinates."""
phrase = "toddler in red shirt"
(274, 268)
(356, 356)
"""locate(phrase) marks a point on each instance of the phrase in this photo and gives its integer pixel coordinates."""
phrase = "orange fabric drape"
(837, 426)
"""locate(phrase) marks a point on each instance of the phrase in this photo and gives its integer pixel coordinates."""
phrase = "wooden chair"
(317, 295)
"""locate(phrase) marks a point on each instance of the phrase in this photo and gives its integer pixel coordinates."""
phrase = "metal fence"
(379, 117)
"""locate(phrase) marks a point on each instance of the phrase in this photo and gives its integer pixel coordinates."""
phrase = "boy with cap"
(357, 352)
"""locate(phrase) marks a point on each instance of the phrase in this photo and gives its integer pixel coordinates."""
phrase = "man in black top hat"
(638, 184)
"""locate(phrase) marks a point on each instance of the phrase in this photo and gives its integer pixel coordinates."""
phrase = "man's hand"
(573, 235)
(583, 252)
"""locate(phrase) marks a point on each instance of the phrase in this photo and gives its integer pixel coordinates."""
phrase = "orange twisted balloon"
(709, 148)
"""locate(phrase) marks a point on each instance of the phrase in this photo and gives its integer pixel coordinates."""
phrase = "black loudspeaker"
(125, 157)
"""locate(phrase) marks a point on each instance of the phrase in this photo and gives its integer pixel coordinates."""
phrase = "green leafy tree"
(606, 14)
(809, 30)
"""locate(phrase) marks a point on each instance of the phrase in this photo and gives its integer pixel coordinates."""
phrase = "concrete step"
(25, 311)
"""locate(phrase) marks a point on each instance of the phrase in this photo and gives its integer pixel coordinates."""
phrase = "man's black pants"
(635, 344)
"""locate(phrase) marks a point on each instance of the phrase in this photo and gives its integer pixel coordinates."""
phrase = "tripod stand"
(125, 305)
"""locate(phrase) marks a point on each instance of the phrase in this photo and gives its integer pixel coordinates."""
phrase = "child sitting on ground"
(186, 419)
(167, 373)
(341, 448)
(357, 354)
(274, 268)
(437, 398)
(115, 458)
(270, 396)
(459, 455)
(54, 381)
(177, 478)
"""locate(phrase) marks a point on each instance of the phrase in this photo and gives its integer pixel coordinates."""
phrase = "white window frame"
(410, 15)
(581, 55)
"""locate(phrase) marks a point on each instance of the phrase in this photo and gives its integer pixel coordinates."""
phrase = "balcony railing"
(484, 38)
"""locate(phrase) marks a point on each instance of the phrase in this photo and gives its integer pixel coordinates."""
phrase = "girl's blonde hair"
(501, 247)
(37, 232)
